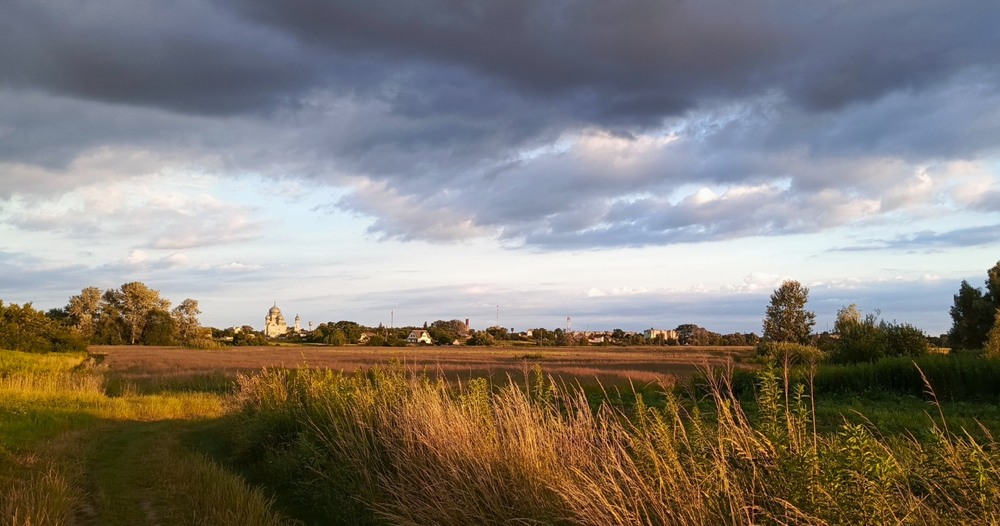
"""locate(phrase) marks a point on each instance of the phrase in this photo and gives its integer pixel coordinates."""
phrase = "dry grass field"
(609, 365)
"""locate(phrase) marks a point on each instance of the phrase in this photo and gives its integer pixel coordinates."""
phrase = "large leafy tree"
(83, 311)
(137, 301)
(186, 321)
(786, 319)
(972, 316)
(993, 285)
(159, 328)
(124, 313)
(110, 326)
(446, 332)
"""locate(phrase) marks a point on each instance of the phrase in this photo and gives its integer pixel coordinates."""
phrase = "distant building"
(665, 334)
(419, 336)
(274, 323)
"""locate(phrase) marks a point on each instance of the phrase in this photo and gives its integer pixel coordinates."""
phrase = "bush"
(992, 348)
(951, 376)
(870, 340)
(903, 339)
(481, 338)
(29, 330)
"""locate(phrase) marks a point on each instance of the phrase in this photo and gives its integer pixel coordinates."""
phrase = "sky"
(623, 164)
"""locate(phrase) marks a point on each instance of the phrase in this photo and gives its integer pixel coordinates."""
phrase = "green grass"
(81, 444)
(69, 452)
(951, 376)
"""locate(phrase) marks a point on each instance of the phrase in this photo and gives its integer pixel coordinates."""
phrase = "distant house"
(419, 336)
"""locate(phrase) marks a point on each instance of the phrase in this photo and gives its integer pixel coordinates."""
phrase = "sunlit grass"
(44, 498)
(53, 411)
(386, 446)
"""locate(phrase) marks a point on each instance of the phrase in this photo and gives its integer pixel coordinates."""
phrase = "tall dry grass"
(45, 498)
(387, 447)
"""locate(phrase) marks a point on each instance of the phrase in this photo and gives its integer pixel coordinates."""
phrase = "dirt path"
(142, 473)
(125, 467)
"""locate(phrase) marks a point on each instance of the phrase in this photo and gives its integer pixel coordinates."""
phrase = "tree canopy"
(22, 328)
(786, 319)
(974, 311)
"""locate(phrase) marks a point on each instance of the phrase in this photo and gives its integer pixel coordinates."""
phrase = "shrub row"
(22, 328)
(951, 376)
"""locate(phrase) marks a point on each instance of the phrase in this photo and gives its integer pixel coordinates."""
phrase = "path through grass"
(71, 454)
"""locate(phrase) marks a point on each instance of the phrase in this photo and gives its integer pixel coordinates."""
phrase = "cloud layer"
(201, 143)
(551, 124)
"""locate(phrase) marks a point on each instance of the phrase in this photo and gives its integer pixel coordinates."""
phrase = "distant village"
(459, 332)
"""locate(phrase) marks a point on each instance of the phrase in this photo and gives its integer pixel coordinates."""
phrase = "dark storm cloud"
(470, 116)
(630, 62)
(188, 55)
(655, 58)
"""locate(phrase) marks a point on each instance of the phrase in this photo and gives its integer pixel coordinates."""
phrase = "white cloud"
(154, 212)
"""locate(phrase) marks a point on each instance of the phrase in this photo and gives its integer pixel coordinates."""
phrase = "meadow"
(307, 435)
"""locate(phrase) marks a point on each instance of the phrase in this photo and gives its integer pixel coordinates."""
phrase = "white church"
(274, 323)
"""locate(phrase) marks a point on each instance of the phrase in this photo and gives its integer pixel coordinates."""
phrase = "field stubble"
(608, 366)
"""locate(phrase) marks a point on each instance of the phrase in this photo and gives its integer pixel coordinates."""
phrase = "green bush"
(992, 348)
(951, 376)
(22, 328)
(870, 340)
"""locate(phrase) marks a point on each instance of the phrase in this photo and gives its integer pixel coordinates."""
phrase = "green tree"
(22, 328)
(84, 310)
(185, 317)
(993, 285)
(446, 332)
(542, 336)
(109, 327)
(159, 328)
(352, 330)
(786, 319)
(847, 317)
(972, 317)
(480, 338)
(137, 302)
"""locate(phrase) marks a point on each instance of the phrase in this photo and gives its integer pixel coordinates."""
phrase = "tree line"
(132, 314)
(137, 314)
(456, 332)
(858, 337)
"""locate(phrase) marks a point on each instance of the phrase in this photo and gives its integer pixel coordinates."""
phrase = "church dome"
(275, 310)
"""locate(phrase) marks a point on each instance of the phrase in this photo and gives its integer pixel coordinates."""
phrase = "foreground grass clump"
(388, 447)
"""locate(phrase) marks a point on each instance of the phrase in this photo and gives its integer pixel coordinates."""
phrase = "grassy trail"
(125, 469)
(71, 454)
